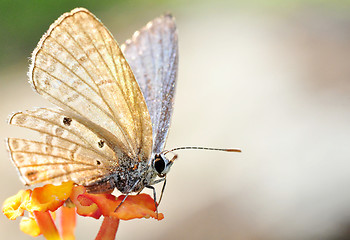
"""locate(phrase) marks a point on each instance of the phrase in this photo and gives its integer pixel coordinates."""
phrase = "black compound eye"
(159, 164)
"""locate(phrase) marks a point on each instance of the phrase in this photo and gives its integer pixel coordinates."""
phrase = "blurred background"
(270, 77)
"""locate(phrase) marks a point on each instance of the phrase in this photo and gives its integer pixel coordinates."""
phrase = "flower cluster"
(67, 200)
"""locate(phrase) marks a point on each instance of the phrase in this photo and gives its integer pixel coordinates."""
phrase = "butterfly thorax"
(133, 176)
(128, 176)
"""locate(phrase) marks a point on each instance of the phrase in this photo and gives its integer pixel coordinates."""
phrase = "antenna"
(204, 148)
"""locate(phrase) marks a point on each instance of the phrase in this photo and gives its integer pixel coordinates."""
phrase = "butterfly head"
(161, 164)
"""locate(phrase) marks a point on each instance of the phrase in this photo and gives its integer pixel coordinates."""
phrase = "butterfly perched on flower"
(114, 106)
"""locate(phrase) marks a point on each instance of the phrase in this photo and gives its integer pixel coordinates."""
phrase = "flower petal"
(108, 229)
(66, 222)
(85, 207)
(14, 206)
(29, 226)
(138, 206)
(50, 197)
(46, 225)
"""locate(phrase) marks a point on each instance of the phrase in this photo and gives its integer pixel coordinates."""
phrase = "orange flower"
(50, 197)
(84, 208)
(14, 206)
(42, 202)
(139, 206)
(29, 226)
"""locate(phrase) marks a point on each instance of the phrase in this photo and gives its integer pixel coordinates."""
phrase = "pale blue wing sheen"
(152, 54)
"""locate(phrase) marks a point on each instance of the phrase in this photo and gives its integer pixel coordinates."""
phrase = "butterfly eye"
(162, 165)
(159, 164)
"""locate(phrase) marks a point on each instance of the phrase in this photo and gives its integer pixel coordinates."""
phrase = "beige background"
(274, 82)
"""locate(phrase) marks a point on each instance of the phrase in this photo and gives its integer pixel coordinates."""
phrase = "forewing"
(152, 54)
(79, 66)
(68, 150)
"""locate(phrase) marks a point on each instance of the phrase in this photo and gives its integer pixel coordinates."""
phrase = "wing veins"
(110, 51)
(92, 63)
(76, 60)
(63, 174)
(50, 134)
(70, 161)
(137, 122)
(172, 63)
(128, 137)
(74, 90)
(139, 59)
(55, 164)
(92, 44)
(76, 112)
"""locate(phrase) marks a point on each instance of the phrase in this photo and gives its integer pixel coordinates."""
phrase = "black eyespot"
(67, 121)
(98, 162)
(101, 143)
(159, 164)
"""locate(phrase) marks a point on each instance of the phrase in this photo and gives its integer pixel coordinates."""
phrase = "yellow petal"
(14, 206)
(29, 226)
(50, 197)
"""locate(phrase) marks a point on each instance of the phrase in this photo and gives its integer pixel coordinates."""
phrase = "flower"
(66, 200)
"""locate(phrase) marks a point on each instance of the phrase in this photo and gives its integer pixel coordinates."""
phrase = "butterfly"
(114, 106)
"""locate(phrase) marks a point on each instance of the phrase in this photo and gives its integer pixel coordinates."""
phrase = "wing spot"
(67, 121)
(98, 162)
(101, 143)
(19, 119)
(32, 175)
(82, 58)
(13, 144)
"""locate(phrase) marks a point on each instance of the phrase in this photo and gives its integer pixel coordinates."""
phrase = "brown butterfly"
(109, 130)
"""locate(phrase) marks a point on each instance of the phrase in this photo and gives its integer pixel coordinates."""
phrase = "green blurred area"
(23, 22)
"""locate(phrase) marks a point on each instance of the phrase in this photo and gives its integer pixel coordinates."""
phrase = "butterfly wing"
(68, 150)
(152, 54)
(79, 67)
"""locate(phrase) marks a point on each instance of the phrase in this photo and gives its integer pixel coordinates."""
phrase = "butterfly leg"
(155, 182)
(154, 192)
(161, 193)
(154, 198)
(126, 195)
